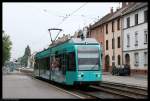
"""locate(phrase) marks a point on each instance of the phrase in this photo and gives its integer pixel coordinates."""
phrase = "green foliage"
(24, 59)
(6, 47)
(27, 51)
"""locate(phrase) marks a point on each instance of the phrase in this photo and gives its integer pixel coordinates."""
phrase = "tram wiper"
(94, 66)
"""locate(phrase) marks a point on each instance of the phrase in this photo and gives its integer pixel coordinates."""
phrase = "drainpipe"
(113, 50)
(122, 36)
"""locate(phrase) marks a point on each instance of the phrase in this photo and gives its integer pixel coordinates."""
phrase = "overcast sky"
(28, 23)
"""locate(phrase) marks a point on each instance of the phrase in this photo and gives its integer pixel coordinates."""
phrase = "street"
(17, 86)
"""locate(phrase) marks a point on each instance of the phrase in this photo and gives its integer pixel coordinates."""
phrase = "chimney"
(117, 9)
(130, 3)
(111, 10)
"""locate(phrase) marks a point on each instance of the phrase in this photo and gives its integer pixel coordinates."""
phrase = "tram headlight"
(98, 75)
(79, 76)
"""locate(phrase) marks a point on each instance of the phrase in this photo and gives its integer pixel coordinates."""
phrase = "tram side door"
(63, 67)
(50, 67)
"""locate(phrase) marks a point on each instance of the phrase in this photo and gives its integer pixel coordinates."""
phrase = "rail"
(106, 90)
(127, 91)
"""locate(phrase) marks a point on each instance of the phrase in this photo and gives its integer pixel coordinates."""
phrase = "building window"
(118, 42)
(136, 39)
(118, 59)
(102, 45)
(128, 22)
(128, 41)
(96, 31)
(145, 58)
(106, 44)
(145, 16)
(113, 59)
(112, 26)
(136, 58)
(136, 19)
(145, 37)
(118, 24)
(106, 28)
(113, 43)
(101, 29)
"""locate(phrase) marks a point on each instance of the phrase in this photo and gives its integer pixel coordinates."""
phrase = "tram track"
(98, 94)
(67, 89)
(127, 91)
(106, 90)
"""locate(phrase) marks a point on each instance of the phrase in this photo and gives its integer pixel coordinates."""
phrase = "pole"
(50, 35)
(57, 34)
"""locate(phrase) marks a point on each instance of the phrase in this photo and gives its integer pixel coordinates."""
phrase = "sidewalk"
(137, 80)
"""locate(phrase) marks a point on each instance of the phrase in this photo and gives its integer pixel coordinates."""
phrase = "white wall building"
(135, 37)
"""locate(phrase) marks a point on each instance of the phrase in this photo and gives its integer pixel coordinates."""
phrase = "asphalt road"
(17, 86)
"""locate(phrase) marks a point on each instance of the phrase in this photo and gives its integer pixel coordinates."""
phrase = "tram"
(73, 62)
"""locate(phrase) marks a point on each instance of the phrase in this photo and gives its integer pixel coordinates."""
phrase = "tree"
(28, 51)
(6, 47)
(27, 54)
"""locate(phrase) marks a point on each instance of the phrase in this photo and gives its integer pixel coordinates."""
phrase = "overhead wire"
(67, 16)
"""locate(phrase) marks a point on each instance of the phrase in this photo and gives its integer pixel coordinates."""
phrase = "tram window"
(36, 64)
(63, 63)
(71, 61)
(47, 63)
(88, 58)
(55, 62)
(43, 63)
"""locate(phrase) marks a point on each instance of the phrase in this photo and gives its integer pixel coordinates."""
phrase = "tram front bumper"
(89, 76)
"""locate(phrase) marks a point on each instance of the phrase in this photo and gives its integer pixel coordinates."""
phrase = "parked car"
(123, 70)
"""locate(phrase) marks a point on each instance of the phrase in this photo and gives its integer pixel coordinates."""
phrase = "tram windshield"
(88, 58)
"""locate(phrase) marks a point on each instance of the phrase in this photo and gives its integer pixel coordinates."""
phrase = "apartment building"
(135, 37)
(113, 39)
(108, 32)
(97, 31)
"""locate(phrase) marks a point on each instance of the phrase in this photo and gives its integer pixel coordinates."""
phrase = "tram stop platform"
(133, 80)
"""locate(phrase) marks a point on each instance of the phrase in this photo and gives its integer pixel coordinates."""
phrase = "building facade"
(97, 31)
(108, 32)
(135, 38)
(113, 43)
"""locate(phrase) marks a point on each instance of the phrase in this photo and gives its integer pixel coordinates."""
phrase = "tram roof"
(87, 40)
(77, 41)
(74, 41)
